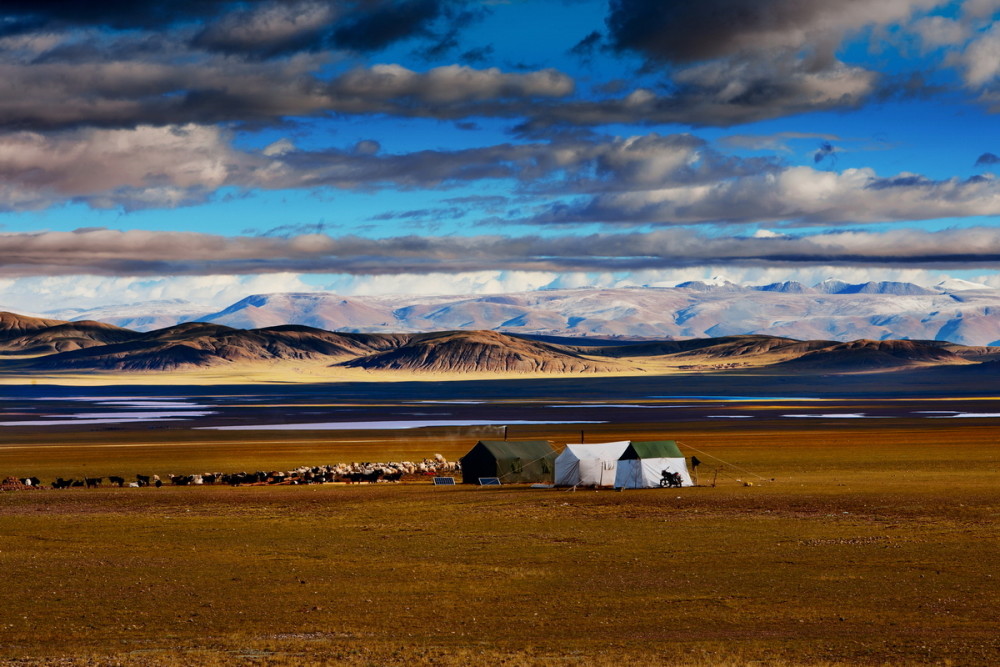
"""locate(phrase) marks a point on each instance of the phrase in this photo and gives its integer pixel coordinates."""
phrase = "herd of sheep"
(348, 473)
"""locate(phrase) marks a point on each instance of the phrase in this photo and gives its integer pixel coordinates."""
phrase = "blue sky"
(208, 150)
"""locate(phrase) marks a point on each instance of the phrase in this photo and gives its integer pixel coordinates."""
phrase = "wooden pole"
(715, 478)
(581, 436)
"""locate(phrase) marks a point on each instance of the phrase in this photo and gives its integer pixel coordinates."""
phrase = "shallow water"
(387, 425)
(740, 398)
(80, 422)
(834, 415)
(614, 405)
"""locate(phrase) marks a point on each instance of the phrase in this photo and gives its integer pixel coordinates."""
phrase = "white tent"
(592, 464)
(642, 464)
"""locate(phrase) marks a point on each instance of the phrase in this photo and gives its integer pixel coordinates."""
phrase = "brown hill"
(482, 352)
(751, 346)
(196, 344)
(12, 324)
(871, 355)
(102, 347)
(64, 337)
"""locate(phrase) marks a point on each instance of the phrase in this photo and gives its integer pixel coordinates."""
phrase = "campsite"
(860, 541)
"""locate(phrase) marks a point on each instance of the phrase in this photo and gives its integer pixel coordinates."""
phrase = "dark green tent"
(513, 461)
(652, 449)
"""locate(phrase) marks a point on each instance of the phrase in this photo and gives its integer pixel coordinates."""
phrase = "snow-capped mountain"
(831, 310)
(144, 316)
(959, 285)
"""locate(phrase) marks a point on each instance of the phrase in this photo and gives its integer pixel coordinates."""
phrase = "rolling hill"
(33, 345)
(481, 352)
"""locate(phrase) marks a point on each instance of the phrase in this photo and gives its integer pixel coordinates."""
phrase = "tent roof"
(597, 450)
(653, 449)
(518, 449)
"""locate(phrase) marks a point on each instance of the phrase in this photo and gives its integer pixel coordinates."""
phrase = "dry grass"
(873, 545)
(300, 371)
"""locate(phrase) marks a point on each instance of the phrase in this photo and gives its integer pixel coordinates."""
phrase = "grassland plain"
(875, 543)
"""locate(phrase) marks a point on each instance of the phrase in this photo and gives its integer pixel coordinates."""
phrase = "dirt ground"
(867, 542)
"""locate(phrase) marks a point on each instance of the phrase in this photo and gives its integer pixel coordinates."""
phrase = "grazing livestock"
(358, 472)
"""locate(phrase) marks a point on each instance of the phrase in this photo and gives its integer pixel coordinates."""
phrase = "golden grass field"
(875, 543)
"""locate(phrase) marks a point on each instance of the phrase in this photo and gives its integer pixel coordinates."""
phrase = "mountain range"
(29, 345)
(957, 311)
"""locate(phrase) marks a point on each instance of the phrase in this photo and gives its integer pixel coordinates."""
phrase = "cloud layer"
(655, 179)
(134, 107)
(142, 253)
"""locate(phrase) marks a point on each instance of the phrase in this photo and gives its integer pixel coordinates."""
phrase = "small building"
(594, 464)
(512, 461)
(642, 464)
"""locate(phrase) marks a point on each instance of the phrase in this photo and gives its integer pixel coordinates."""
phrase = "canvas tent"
(641, 465)
(589, 465)
(513, 461)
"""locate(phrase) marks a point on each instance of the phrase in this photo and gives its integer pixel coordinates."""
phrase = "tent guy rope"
(731, 465)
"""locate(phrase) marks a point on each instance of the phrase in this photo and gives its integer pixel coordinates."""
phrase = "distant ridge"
(787, 287)
(959, 311)
(36, 345)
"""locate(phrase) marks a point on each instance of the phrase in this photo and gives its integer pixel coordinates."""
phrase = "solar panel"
(489, 481)
(444, 481)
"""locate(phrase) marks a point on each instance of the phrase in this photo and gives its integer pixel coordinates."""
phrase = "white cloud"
(137, 168)
(937, 31)
(49, 293)
(468, 282)
(981, 59)
(800, 195)
(207, 293)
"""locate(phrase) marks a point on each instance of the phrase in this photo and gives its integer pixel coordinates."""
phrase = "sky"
(206, 150)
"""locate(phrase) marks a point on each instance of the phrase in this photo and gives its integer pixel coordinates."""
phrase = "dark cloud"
(423, 214)
(651, 179)
(563, 166)
(147, 253)
(181, 165)
(680, 31)
(24, 15)
(738, 61)
(905, 182)
(270, 29)
(289, 231)
(825, 150)
(586, 47)
(987, 159)
(386, 23)
(720, 94)
(259, 28)
(478, 56)
(139, 81)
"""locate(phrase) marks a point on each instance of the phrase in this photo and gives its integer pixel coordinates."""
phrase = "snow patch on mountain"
(831, 311)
